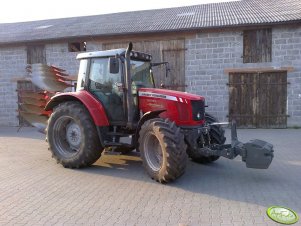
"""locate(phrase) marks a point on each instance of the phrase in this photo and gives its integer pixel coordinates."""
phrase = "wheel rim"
(153, 152)
(67, 136)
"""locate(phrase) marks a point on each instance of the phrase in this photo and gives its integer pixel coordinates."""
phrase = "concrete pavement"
(34, 190)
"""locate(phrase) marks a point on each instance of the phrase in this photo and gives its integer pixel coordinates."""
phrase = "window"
(82, 74)
(141, 75)
(257, 46)
(77, 46)
(105, 87)
(36, 54)
(101, 80)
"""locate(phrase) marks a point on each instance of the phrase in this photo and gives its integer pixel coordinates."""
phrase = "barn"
(244, 57)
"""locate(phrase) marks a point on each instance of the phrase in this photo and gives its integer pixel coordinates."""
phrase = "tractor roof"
(135, 55)
(105, 53)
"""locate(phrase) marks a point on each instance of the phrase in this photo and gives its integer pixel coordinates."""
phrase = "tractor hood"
(168, 94)
(182, 108)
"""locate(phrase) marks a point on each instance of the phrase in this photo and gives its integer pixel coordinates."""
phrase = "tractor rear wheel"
(163, 150)
(72, 136)
(217, 136)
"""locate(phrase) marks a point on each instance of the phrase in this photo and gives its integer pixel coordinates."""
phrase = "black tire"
(72, 136)
(163, 150)
(217, 136)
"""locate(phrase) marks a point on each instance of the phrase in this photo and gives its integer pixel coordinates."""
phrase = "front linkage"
(256, 153)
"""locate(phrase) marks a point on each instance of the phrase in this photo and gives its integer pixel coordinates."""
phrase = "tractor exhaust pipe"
(128, 81)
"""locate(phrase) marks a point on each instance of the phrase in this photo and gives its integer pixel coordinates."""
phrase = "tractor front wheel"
(72, 136)
(163, 150)
(217, 136)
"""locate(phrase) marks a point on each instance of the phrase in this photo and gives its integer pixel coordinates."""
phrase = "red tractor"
(116, 97)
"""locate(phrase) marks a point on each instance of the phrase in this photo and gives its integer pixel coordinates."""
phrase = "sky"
(29, 10)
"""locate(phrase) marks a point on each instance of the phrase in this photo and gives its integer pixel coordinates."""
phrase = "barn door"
(258, 100)
(171, 51)
(174, 52)
(272, 95)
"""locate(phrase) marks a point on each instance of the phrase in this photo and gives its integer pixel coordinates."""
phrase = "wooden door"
(36, 54)
(258, 100)
(172, 51)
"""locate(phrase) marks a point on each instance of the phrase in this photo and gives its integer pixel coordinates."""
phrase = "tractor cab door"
(105, 87)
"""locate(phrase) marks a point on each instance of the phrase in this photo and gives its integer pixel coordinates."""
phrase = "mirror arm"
(162, 63)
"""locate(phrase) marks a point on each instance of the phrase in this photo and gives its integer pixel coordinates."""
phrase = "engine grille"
(198, 109)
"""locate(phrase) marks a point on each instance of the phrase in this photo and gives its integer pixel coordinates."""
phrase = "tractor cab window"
(82, 74)
(100, 77)
(141, 76)
(104, 86)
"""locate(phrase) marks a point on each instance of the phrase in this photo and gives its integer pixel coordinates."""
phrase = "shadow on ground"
(226, 179)
(23, 132)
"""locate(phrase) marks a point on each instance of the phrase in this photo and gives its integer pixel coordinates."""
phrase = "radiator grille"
(198, 110)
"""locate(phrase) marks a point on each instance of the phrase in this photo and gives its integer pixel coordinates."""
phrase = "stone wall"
(57, 54)
(208, 54)
(12, 65)
(13, 61)
(206, 57)
(287, 52)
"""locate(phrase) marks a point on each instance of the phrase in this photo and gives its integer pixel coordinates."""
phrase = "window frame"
(260, 49)
(73, 46)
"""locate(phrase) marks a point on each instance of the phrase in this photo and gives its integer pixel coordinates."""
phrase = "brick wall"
(208, 54)
(13, 61)
(12, 65)
(58, 54)
(287, 52)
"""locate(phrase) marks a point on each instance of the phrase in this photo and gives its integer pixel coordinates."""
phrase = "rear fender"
(94, 107)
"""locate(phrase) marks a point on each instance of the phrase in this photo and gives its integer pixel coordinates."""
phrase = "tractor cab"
(102, 74)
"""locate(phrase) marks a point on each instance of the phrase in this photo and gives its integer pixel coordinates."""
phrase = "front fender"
(94, 107)
(147, 116)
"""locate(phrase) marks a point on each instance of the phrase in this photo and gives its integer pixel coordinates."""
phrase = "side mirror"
(114, 65)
